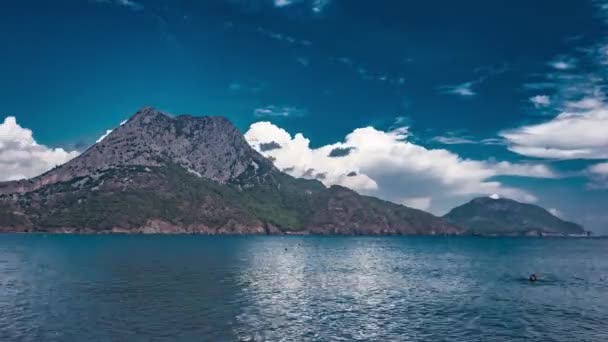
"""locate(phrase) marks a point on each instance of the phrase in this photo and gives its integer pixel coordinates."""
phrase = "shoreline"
(306, 234)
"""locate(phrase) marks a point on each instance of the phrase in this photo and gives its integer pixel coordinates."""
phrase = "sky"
(425, 103)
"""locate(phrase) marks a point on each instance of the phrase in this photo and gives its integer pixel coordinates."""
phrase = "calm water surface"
(193, 288)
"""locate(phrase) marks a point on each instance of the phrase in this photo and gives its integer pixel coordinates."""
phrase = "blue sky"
(468, 98)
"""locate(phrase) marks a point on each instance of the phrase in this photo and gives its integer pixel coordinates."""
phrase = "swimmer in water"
(533, 277)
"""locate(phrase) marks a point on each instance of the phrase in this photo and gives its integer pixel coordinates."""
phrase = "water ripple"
(185, 288)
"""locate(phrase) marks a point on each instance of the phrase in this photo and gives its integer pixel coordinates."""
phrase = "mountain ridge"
(185, 174)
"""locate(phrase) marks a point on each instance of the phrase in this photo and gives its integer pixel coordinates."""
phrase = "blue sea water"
(196, 288)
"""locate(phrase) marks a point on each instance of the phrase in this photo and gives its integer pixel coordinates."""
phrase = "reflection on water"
(190, 288)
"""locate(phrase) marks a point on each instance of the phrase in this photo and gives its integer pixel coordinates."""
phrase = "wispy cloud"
(452, 138)
(586, 103)
(247, 87)
(563, 63)
(278, 111)
(130, 4)
(367, 74)
(465, 89)
(303, 61)
(316, 6)
(578, 94)
(447, 140)
(540, 101)
(282, 37)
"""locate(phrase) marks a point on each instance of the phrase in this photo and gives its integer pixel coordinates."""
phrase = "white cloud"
(598, 175)
(580, 135)
(278, 111)
(22, 157)
(316, 6)
(450, 140)
(586, 103)
(540, 101)
(599, 169)
(319, 5)
(283, 3)
(561, 65)
(466, 89)
(493, 141)
(463, 89)
(387, 165)
(555, 212)
(581, 130)
(130, 4)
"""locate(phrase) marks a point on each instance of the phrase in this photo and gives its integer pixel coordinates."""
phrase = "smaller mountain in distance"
(502, 216)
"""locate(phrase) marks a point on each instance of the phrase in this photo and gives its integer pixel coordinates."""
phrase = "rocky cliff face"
(488, 216)
(159, 174)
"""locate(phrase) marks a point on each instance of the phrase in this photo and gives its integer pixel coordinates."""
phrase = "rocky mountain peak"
(209, 147)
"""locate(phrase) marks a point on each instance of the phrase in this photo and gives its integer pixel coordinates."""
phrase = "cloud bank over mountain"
(386, 164)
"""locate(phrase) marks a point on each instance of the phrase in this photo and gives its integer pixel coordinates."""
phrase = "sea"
(263, 288)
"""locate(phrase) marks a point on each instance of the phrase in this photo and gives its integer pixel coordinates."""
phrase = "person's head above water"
(533, 277)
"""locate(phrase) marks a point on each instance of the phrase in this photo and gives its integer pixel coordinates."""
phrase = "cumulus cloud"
(599, 169)
(570, 135)
(387, 165)
(598, 174)
(22, 157)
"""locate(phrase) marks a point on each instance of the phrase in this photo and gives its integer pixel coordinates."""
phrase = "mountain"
(488, 216)
(162, 174)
